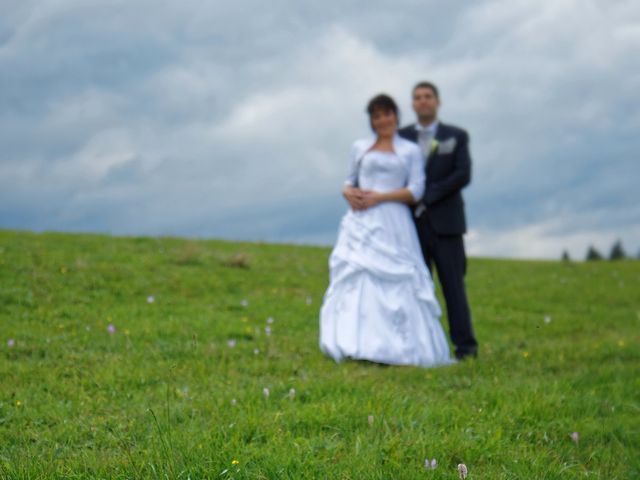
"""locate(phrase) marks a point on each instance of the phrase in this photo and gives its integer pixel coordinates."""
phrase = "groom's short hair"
(429, 85)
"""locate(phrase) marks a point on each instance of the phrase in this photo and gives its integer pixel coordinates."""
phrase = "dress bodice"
(382, 171)
(385, 171)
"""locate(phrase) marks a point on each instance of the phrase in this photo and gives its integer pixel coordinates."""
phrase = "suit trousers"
(448, 255)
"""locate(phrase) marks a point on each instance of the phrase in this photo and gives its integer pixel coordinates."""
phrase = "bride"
(380, 305)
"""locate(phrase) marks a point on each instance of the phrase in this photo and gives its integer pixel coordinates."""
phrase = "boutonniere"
(434, 145)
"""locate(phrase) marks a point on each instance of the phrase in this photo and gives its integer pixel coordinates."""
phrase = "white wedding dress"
(380, 305)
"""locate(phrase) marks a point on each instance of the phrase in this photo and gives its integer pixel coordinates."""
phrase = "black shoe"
(465, 355)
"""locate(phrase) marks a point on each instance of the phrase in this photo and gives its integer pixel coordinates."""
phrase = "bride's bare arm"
(402, 195)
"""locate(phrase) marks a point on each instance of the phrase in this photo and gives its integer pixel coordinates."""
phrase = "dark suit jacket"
(447, 174)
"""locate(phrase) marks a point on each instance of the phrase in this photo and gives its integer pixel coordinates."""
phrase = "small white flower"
(265, 392)
(267, 330)
(233, 401)
(547, 319)
(270, 320)
(309, 300)
(244, 303)
(256, 351)
(151, 299)
(11, 342)
(462, 470)
(575, 436)
(370, 419)
(292, 393)
(430, 464)
(231, 343)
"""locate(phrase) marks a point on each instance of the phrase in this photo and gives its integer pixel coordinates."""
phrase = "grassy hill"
(151, 358)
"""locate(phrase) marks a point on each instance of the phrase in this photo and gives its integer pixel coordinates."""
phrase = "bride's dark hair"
(382, 102)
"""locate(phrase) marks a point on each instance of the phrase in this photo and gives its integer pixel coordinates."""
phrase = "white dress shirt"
(426, 134)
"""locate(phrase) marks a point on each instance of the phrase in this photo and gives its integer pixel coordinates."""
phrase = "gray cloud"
(234, 120)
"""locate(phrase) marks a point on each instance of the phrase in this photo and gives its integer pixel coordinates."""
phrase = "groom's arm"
(457, 179)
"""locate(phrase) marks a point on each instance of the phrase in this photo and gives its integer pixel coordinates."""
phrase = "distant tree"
(638, 255)
(617, 252)
(593, 254)
(565, 256)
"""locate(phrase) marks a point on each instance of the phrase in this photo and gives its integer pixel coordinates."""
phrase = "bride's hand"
(354, 197)
(370, 199)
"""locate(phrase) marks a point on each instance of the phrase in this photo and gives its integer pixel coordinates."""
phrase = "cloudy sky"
(215, 119)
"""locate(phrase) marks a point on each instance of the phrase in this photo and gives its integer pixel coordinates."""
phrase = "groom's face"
(425, 104)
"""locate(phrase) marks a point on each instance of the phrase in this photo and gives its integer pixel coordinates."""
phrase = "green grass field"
(178, 389)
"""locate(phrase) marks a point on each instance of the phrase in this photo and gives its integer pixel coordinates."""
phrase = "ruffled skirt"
(380, 305)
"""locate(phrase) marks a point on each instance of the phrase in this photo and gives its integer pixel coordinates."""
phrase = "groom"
(439, 216)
